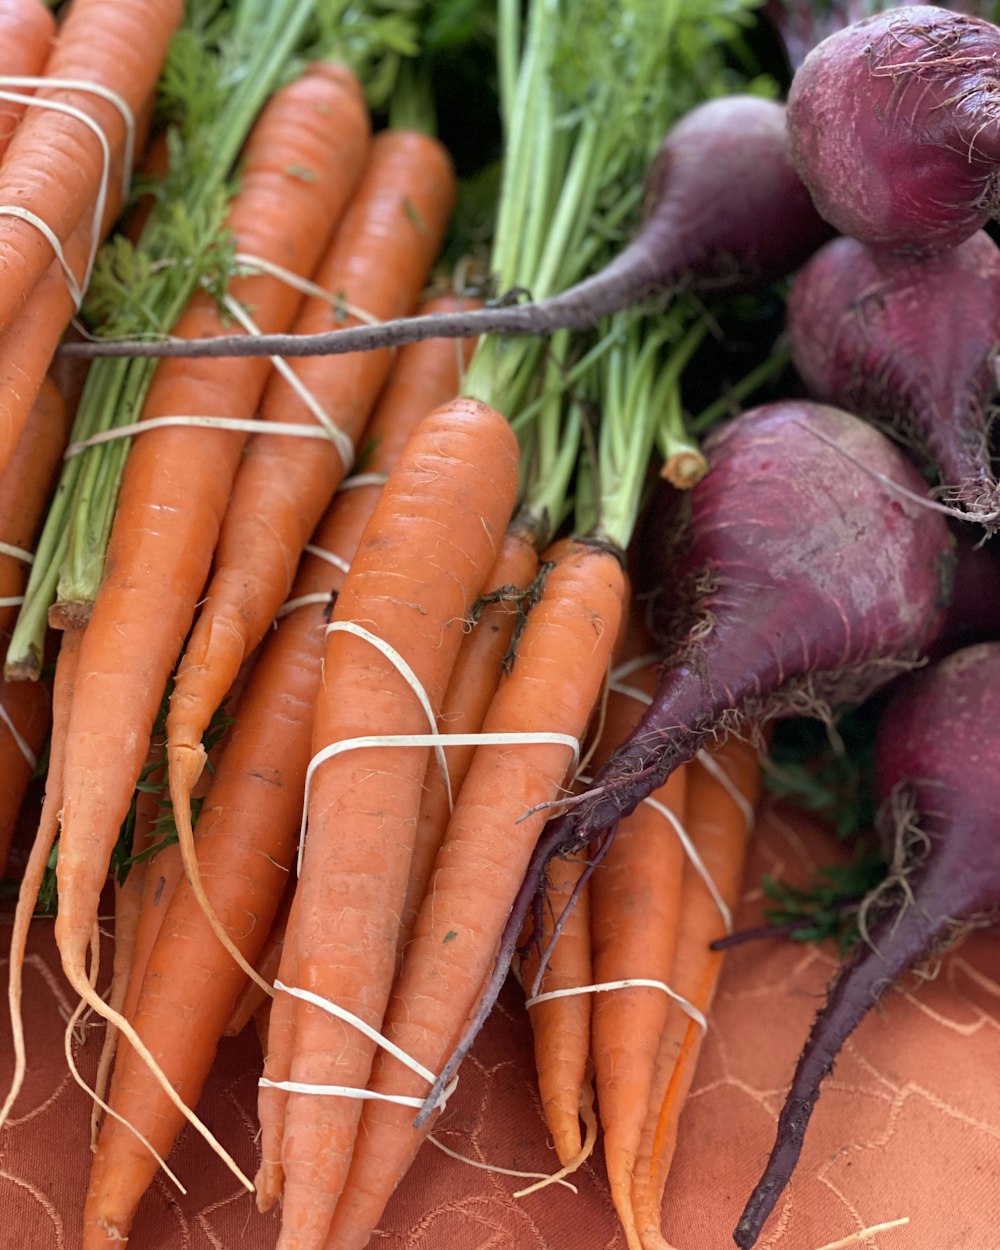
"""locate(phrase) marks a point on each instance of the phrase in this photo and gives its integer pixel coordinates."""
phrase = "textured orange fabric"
(908, 1125)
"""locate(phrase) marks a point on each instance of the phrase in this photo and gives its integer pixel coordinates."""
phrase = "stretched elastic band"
(302, 601)
(688, 1008)
(18, 737)
(343, 445)
(330, 557)
(347, 1091)
(92, 88)
(200, 421)
(17, 553)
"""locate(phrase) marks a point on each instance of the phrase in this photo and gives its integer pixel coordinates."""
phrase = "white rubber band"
(411, 679)
(257, 264)
(17, 553)
(343, 445)
(615, 683)
(11, 601)
(342, 1091)
(76, 286)
(373, 1035)
(16, 734)
(363, 479)
(302, 601)
(93, 88)
(491, 1167)
(330, 557)
(688, 1008)
(75, 289)
(712, 765)
(628, 667)
(696, 861)
(238, 425)
(434, 739)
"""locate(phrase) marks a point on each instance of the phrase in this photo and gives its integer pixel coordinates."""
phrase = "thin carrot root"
(589, 1118)
(45, 836)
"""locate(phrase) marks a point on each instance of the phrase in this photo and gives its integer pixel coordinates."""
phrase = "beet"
(910, 343)
(724, 210)
(937, 774)
(804, 581)
(894, 125)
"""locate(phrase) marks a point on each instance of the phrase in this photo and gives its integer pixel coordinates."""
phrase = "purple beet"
(895, 127)
(804, 581)
(724, 210)
(937, 773)
(911, 343)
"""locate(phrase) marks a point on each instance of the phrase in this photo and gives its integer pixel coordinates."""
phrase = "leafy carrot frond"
(828, 906)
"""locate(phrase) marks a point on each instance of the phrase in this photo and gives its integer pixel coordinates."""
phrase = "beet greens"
(937, 772)
(911, 343)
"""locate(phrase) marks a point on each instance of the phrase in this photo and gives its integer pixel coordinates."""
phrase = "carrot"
(25, 716)
(54, 165)
(128, 910)
(154, 879)
(27, 31)
(25, 486)
(246, 832)
(173, 494)
(478, 671)
(561, 1026)
(419, 382)
(62, 697)
(168, 519)
(378, 262)
(483, 858)
(716, 818)
(636, 905)
(425, 557)
(252, 997)
(28, 345)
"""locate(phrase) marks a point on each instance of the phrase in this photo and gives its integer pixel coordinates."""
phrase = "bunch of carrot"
(359, 560)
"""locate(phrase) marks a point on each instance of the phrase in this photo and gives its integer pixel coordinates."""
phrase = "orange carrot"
(635, 906)
(27, 31)
(481, 864)
(25, 486)
(379, 262)
(25, 716)
(718, 825)
(477, 674)
(425, 557)
(561, 1026)
(246, 835)
(173, 493)
(252, 997)
(419, 382)
(34, 871)
(54, 165)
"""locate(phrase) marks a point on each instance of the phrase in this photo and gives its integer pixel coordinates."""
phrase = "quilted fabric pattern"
(907, 1127)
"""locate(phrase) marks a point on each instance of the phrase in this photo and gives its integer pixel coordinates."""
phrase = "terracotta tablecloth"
(908, 1125)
